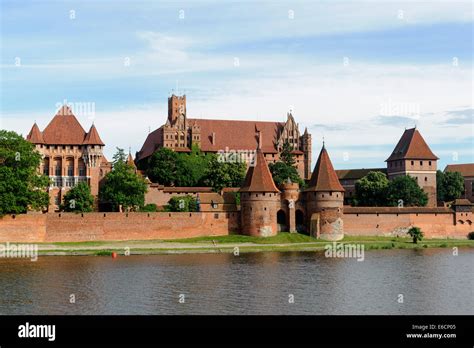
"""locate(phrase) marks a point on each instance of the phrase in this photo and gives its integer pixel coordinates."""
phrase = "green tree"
(286, 155)
(191, 168)
(371, 190)
(416, 234)
(78, 199)
(119, 156)
(162, 166)
(449, 185)
(282, 171)
(123, 188)
(185, 203)
(405, 190)
(224, 174)
(21, 186)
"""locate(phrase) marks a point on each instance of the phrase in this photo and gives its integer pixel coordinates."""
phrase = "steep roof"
(64, 129)
(237, 135)
(466, 169)
(35, 135)
(259, 178)
(130, 161)
(152, 140)
(412, 146)
(324, 176)
(93, 138)
(355, 174)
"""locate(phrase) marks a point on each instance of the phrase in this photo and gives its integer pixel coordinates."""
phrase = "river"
(430, 281)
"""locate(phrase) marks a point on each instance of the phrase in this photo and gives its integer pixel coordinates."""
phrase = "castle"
(70, 155)
(180, 133)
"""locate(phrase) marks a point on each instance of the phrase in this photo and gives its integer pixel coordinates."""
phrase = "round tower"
(289, 196)
(325, 200)
(259, 199)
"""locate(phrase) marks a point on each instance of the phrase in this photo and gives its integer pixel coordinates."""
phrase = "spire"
(259, 178)
(35, 135)
(93, 138)
(324, 176)
(130, 160)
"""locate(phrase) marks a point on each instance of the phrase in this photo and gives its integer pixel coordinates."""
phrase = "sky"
(355, 73)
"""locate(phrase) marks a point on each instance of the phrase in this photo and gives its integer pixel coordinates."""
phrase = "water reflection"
(431, 281)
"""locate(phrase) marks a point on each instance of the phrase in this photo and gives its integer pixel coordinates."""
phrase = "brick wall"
(433, 225)
(70, 227)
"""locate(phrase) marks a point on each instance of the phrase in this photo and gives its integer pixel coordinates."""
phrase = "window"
(70, 171)
(421, 163)
(412, 163)
(426, 179)
(46, 171)
(82, 171)
(57, 171)
(429, 163)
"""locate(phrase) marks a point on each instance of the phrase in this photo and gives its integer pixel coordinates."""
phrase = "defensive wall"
(358, 221)
(71, 227)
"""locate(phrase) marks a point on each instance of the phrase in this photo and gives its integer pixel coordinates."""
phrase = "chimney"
(213, 135)
(260, 139)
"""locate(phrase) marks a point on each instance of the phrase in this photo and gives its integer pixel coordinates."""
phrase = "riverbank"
(237, 243)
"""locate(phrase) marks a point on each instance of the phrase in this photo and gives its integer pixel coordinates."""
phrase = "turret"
(324, 201)
(289, 196)
(259, 199)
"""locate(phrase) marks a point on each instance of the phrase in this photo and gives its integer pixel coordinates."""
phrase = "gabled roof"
(64, 129)
(356, 174)
(412, 146)
(462, 202)
(237, 135)
(466, 169)
(35, 135)
(93, 138)
(259, 178)
(324, 176)
(150, 145)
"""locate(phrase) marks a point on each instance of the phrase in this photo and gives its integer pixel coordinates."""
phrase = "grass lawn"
(280, 238)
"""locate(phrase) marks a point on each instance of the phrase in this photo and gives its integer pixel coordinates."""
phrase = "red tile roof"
(236, 135)
(259, 178)
(93, 138)
(324, 176)
(35, 135)
(150, 145)
(412, 146)
(355, 174)
(466, 169)
(64, 129)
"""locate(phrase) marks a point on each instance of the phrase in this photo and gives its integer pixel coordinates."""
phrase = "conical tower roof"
(130, 161)
(259, 178)
(35, 136)
(93, 138)
(324, 177)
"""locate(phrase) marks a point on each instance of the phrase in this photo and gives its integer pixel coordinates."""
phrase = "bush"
(416, 234)
(185, 203)
(470, 235)
(149, 208)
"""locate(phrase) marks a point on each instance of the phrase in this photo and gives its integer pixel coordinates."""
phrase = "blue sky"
(354, 72)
